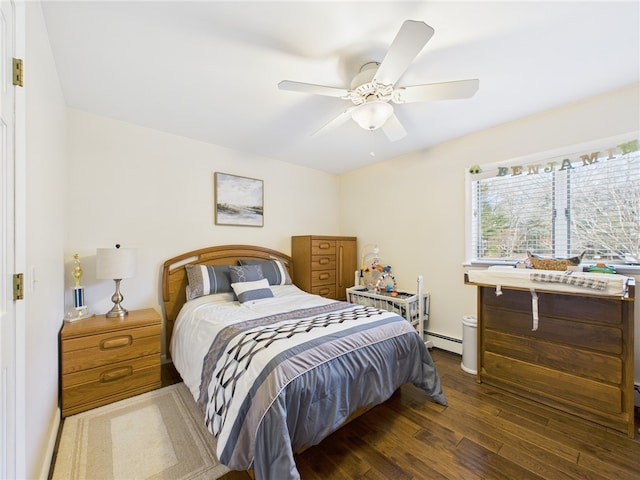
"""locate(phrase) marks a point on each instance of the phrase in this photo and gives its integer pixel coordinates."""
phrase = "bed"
(274, 369)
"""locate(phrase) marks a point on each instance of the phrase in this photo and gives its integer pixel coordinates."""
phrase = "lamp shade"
(372, 115)
(115, 263)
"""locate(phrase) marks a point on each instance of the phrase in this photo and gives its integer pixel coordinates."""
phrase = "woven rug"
(156, 435)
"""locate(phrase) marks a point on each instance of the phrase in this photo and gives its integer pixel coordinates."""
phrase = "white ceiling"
(208, 70)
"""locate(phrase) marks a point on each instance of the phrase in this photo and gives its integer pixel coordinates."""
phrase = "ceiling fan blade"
(437, 91)
(312, 89)
(336, 122)
(393, 129)
(411, 38)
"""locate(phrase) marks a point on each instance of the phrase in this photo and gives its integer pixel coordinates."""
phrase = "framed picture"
(238, 200)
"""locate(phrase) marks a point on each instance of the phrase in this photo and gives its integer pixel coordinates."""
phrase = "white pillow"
(256, 290)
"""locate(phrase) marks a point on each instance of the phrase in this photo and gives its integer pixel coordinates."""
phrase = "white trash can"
(470, 344)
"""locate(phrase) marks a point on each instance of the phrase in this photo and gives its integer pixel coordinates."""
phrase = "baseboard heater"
(443, 342)
(443, 337)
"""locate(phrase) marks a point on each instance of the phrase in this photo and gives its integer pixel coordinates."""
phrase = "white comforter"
(211, 313)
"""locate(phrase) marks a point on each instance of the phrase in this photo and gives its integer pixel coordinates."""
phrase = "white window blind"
(560, 207)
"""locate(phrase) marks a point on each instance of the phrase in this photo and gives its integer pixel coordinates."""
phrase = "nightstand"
(103, 360)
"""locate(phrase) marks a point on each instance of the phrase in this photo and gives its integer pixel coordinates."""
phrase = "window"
(560, 206)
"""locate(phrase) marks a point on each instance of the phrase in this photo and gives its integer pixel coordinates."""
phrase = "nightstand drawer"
(107, 348)
(82, 390)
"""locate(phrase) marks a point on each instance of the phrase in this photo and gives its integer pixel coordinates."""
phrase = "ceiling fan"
(374, 88)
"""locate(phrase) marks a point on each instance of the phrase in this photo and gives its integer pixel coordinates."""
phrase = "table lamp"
(116, 263)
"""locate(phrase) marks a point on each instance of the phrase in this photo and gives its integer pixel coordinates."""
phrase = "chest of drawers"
(324, 265)
(578, 359)
(103, 360)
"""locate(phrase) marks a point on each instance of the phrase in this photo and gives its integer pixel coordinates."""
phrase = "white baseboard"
(51, 446)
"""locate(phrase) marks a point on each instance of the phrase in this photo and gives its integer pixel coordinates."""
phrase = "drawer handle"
(324, 261)
(340, 267)
(116, 374)
(324, 245)
(324, 291)
(116, 342)
(323, 276)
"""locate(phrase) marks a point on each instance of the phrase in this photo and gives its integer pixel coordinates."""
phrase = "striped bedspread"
(271, 384)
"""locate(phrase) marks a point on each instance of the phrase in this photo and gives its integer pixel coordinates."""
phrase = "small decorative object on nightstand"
(79, 310)
(116, 264)
(103, 360)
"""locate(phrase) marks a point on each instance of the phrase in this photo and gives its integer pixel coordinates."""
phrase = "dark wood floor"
(484, 433)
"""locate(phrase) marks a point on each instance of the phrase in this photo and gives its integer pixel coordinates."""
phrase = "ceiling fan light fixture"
(372, 115)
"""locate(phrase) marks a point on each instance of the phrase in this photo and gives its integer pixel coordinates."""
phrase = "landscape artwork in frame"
(238, 200)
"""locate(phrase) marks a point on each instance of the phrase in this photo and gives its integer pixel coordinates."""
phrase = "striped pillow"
(245, 273)
(207, 280)
(248, 291)
(273, 270)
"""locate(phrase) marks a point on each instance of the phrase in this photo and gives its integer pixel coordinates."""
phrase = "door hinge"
(18, 286)
(18, 72)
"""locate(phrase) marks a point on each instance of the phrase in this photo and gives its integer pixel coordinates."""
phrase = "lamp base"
(117, 312)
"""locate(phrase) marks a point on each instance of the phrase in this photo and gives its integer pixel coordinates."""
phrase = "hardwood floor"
(484, 433)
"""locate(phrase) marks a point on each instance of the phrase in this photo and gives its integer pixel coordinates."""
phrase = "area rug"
(156, 435)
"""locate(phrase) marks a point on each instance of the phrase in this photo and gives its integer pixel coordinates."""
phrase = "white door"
(7, 253)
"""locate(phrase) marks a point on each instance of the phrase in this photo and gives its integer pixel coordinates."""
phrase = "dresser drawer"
(104, 349)
(323, 277)
(323, 262)
(553, 385)
(328, 291)
(565, 331)
(90, 386)
(589, 309)
(322, 247)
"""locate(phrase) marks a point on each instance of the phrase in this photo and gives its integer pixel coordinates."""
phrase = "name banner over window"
(568, 164)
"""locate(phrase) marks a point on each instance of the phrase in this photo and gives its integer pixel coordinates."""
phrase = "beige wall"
(414, 207)
(45, 211)
(154, 192)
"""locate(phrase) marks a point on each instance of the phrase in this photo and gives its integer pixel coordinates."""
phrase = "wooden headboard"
(174, 274)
